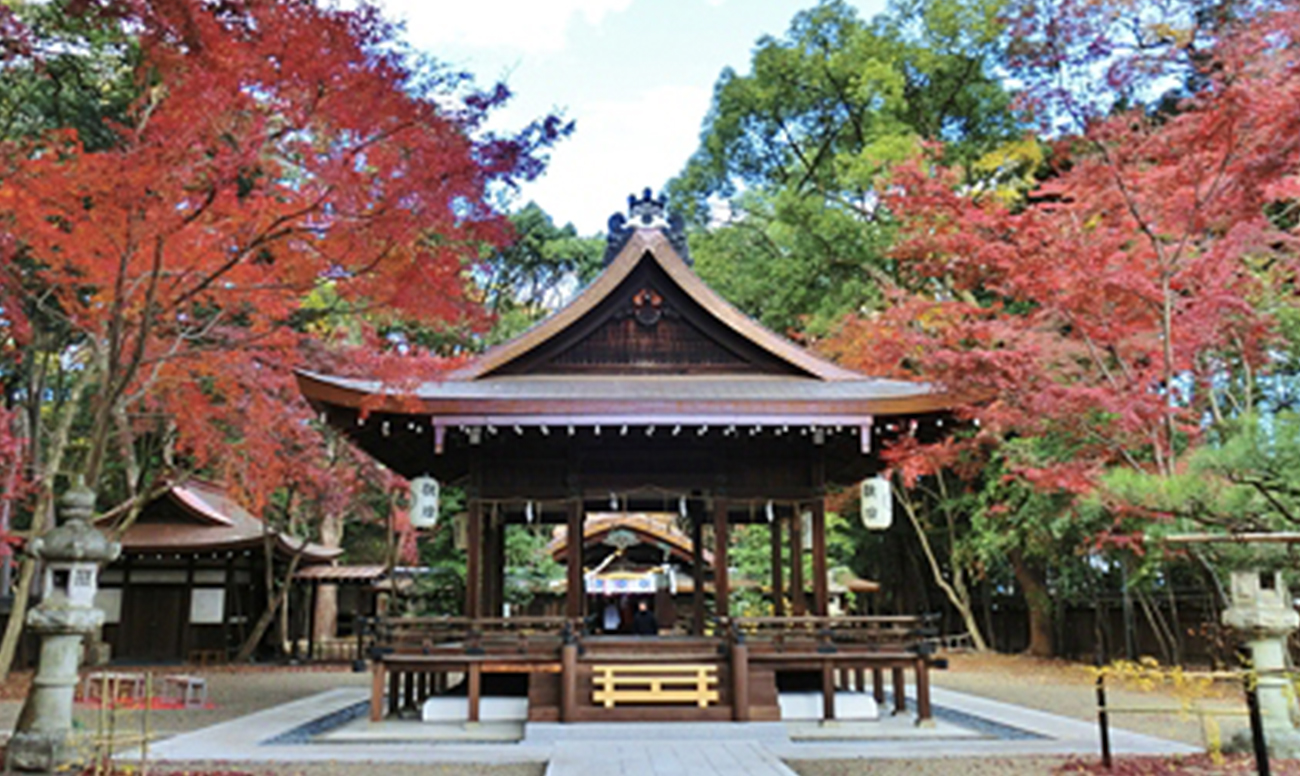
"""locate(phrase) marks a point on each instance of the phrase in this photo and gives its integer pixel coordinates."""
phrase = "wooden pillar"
(490, 606)
(721, 583)
(778, 587)
(499, 569)
(576, 593)
(474, 560)
(828, 690)
(740, 681)
(821, 592)
(408, 692)
(474, 689)
(900, 691)
(394, 692)
(797, 601)
(377, 691)
(311, 621)
(923, 711)
(569, 683)
(697, 572)
(878, 684)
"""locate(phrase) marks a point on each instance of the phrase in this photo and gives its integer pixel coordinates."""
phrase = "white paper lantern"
(877, 504)
(424, 502)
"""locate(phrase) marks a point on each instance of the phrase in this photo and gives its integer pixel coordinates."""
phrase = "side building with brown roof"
(191, 581)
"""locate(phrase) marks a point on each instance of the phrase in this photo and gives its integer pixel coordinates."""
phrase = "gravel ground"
(1054, 686)
(232, 693)
(1068, 689)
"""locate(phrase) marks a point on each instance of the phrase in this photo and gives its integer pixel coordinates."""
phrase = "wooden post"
(569, 683)
(697, 572)
(821, 592)
(860, 679)
(923, 712)
(311, 621)
(475, 691)
(377, 691)
(499, 569)
(474, 560)
(797, 601)
(488, 607)
(828, 691)
(740, 681)
(878, 684)
(408, 692)
(900, 691)
(721, 584)
(576, 592)
(394, 691)
(778, 591)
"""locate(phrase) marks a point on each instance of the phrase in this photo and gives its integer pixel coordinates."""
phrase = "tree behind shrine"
(283, 173)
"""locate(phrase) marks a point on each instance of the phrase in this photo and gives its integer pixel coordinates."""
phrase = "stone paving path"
(655, 749)
(685, 758)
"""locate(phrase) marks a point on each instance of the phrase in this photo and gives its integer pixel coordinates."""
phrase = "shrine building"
(649, 393)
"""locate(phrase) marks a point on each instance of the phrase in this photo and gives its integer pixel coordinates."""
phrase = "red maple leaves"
(284, 174)
(1110, 307)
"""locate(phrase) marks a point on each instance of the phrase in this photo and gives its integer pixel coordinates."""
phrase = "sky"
(635, 75)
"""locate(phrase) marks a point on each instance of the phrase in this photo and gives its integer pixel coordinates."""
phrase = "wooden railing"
(690, 683)
(833, 634)
(424, 635)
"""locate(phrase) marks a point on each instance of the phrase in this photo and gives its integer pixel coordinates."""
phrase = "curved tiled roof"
(213, 522)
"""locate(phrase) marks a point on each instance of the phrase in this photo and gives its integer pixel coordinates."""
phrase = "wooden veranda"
(651, 393)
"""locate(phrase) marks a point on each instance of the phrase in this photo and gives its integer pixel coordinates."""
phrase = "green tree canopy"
(796, 149)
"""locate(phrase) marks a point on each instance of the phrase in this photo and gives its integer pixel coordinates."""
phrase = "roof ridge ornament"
(646, 212)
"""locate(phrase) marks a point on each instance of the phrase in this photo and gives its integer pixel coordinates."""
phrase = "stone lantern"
(1262, 610)
(72, 554)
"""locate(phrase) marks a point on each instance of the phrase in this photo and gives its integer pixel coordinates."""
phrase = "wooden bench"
(659, 683)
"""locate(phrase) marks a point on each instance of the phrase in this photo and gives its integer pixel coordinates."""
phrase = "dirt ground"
(1054, 686)
(1059, 687)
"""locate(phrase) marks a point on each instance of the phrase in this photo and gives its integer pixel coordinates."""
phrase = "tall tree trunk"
(1032, 579)
(327, 596)
(269, 614)
(14, 627)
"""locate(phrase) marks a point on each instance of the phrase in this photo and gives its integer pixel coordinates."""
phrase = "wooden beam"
(821, 592)
(576, 593)
(721, 583)
(778, 588)
(474, 559)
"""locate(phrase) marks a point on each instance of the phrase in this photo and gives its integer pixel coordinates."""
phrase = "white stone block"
(808, 706)
(491, 708)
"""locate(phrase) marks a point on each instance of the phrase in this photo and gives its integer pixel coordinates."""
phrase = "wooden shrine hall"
(650, 391)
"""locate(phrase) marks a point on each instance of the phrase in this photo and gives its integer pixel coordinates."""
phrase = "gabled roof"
(653, 528)
(195, 516)
(652, 245)
(752, 375)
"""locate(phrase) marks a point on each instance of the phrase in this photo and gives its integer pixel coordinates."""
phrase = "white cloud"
(528, 26)
(620, 147)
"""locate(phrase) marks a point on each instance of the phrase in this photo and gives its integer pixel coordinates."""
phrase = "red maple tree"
(286, 176)
(1109, 308)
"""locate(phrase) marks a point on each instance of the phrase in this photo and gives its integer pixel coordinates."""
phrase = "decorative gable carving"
(648, 326)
